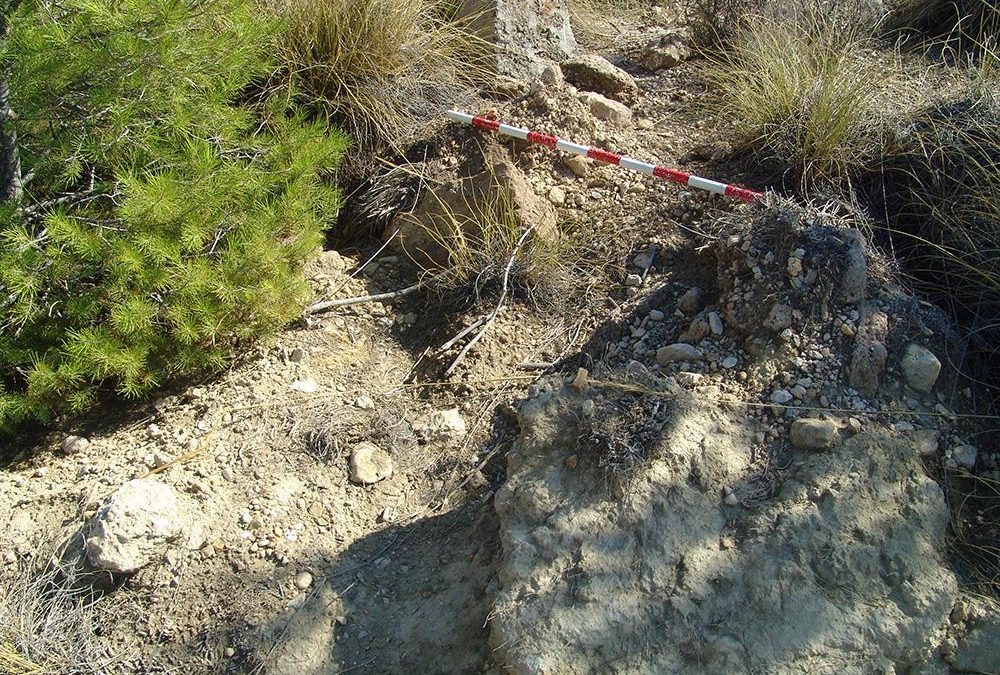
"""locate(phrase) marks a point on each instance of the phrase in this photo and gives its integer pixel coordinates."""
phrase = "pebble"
(369, 464)
(690, 301)
(303, 580)
(656, 315)
(296, 355)
(715, 323)
(781, 396)
(813, 434)
(633, 281)
(74, 444)
(229, 652)
(580, 166)
(678, 352)
(227, 473)
(306, 386)
(557, 196)
(965, 456)
(731, 499)
(730, 362)
(364, 402)
(920, 368)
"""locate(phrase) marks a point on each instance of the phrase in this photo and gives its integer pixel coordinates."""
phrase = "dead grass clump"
(623, 432)
(809, 98)
(50, 622)
(381, 69)
(490, 248)
(939, 195)
(963, 24)
(714, 24)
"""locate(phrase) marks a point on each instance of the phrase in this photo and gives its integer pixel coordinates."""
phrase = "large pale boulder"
(525, 34)
(134, 527)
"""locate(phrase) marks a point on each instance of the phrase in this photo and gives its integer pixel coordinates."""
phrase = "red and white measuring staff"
(607, 157)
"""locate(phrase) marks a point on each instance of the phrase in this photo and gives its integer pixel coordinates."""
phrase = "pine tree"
(165, 205)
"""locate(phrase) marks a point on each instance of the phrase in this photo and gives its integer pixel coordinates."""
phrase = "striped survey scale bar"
(608, 157)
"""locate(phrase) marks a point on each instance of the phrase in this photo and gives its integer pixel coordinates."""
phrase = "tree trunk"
(10, 156)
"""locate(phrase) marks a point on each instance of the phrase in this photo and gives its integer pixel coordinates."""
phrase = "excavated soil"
(646, 514)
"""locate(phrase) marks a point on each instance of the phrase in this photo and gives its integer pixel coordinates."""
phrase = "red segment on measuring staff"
(542, 139)
(604, 156)
(671, 174)
(483, 123)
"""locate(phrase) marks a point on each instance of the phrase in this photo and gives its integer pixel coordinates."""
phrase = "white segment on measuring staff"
(636, 165)
(705, 184)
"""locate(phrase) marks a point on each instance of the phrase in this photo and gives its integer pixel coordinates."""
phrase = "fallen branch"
(496, 310)
(318, 307)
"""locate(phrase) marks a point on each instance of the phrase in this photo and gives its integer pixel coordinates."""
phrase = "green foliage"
(163, 223)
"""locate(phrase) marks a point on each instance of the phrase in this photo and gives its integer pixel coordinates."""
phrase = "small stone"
(571, 462)
(297, 355)
(920, 367)
(731, 499)
(607, 109)
(578, 165)
(779, 318)
(794, 267)
(678, 352)
(580, 381)
(74, 444)
(369, 464)
(656, 315)
(41, 472)
(715, 323)
(303, 580)
(440, 425)
(341, 620)
(161, 459)
(730, 362)
(364, 402)
(690, 302)
(813, 434)
(847, 329)
(965, 456)
(557, 196)
(926, 441)
(227, 474)
(306, 386)
(9, 557)
(387, 515)
(587, 407)
(781, 396)
(633, 281)
(229, 652)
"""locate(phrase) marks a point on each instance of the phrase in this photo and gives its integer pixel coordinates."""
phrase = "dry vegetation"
(380, 69)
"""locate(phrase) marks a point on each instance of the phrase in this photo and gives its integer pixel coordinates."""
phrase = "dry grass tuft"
(51, 622)
(811, 98)
(381, 69)
(488, 249)
(939, 195)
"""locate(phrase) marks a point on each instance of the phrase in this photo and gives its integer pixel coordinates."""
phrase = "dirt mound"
(840, 570)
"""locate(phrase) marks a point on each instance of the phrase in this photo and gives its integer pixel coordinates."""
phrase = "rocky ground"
(724, 438)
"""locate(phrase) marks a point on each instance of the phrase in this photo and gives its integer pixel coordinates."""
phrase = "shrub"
(380, 68)
(51, 621)
(939, 192)
(809, 97)
(160, 223)
(961, 23)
